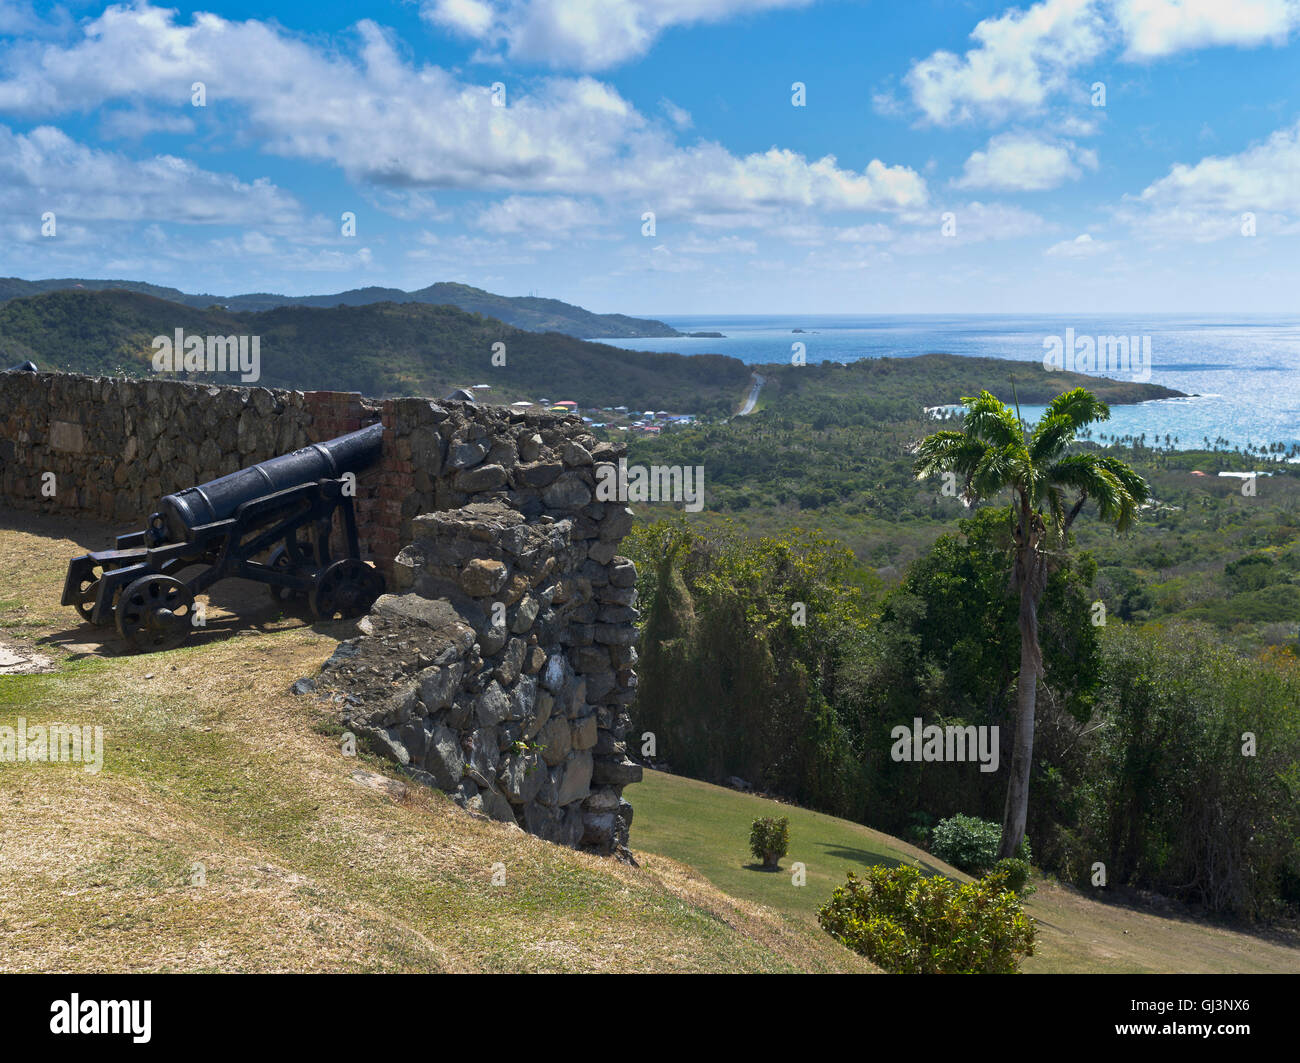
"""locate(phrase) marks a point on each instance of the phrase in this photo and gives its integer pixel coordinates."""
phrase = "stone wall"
(116, 446)
(504, 670)
(500, 667)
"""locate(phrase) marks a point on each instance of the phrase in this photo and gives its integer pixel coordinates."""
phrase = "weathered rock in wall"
(500, 667)
(510, 629)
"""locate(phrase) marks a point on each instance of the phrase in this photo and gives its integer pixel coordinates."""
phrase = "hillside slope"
(226, 831)
(525, 312)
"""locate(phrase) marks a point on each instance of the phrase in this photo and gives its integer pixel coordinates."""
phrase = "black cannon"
(270, 522)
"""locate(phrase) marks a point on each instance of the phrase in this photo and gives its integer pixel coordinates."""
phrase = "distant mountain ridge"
(379, 349)
(385, 349)
(525, 312)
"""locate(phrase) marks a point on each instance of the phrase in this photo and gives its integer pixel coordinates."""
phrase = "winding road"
(753, 396)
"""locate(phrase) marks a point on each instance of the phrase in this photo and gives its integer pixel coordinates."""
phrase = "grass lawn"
(707, 827)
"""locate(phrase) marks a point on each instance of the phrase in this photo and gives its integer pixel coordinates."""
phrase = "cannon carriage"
(270, 522)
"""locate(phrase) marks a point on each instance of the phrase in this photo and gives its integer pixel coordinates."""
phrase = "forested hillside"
(526, 312)
(379, 349)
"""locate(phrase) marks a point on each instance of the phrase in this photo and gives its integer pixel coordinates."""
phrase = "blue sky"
(948, 158)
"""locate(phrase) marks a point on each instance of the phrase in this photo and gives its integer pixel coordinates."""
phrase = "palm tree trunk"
(1022, 757)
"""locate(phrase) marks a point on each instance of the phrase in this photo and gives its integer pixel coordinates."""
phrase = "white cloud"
(680, 118)
(1023, 57)
(552, 215)
(408, 204)
(565, 136)
(1082, 246)
(1024, 162)
(1206, 201)
(1071, 125)
(133, 124)
(974, 223)
(1156, 28)
(581, 34)
(46, 169)
(1020, 58)
(473, 18)
(709, 179)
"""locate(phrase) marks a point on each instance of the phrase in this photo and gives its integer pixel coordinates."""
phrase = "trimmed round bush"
(769, 840)
(1016, 872)
(966, 842)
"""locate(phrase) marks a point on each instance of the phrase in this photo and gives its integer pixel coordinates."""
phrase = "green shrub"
(971, 844)
(1016, 872)
(769, 839)
(910, 924)
(966, 842)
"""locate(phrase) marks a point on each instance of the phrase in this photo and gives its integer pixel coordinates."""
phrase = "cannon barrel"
(179, 513)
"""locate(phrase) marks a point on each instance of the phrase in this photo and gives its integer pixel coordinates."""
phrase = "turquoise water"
(1242, 371)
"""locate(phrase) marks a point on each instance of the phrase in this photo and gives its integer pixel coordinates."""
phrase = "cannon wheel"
(154, 612)
(282, 561)
(346, 589)
(87, 591)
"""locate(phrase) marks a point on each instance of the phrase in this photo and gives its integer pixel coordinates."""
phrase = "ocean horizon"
(1241, 372)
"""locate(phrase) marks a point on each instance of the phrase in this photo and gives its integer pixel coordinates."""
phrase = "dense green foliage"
(1133, 765)
(741, 638)
(826, 394)
(732, 686)
(910, 924)
(769, 839)
(966, 842)
(1190, 781)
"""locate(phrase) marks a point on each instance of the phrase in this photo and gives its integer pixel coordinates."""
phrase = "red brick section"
(333, 413)
(393, 480)
(380, 490)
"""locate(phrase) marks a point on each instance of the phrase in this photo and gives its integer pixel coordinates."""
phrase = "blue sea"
(1242, 371)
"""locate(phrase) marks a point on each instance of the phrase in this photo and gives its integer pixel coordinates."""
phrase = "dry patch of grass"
(1078, 934)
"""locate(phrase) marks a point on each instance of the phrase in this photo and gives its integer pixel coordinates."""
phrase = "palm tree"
(996, 452)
